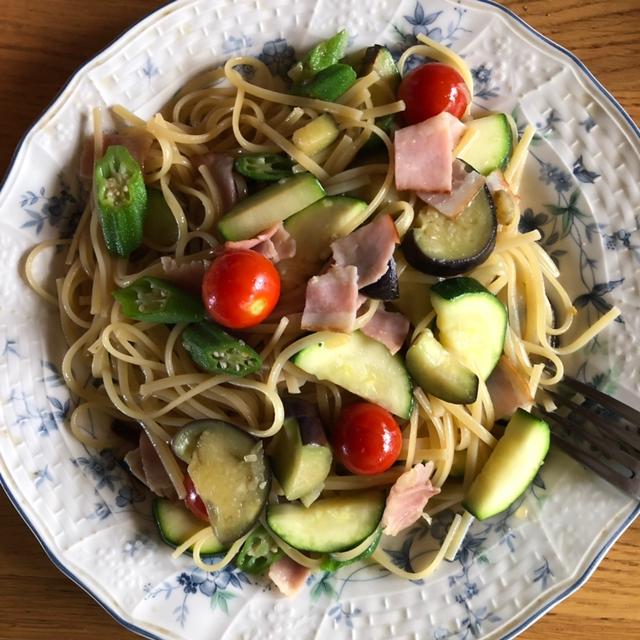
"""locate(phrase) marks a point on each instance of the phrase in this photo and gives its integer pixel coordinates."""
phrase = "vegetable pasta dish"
(301, 311)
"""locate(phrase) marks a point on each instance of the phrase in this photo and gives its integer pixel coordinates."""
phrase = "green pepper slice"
(323, 55)
(154, 300)
(258, 553)
(268, 167)
(215, 351)
(121, 199)
(329, 84)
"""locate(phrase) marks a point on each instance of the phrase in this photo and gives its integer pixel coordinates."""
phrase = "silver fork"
(597, 430)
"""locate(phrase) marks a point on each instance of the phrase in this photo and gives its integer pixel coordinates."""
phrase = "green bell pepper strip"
(154, 300)
(329, 84)
(269, 167)
(331, 564)
(258, 553)
(215, 351)
(121, 200)
(323, 55)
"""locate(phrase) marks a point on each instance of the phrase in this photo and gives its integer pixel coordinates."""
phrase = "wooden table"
(41, 44)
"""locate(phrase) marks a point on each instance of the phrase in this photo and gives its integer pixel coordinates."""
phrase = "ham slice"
(368, 248)
(407, 499)
(288, 576)
(465, 186)
(252, 243)
(388, 327)
(331, 301)
(187, 275)
(276, 243)
(284, 244)
(133, 460)
(424, 154)
(496, 182)
(156, 477)
(138, 145)
(508, 389)
(221, 167)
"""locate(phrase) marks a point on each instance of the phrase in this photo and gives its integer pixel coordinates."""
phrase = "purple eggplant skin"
(309, 423)
(386, 287)
(419, 260)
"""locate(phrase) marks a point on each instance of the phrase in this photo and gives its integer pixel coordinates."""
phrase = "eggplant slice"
(386, 287)
(440, 246)
(231, 475)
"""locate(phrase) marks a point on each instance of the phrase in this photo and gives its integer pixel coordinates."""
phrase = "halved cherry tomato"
(240, 288)
(431, 89)
(193, 501)
(366, 439)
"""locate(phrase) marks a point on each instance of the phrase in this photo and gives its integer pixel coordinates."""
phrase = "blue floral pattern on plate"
(219, 588)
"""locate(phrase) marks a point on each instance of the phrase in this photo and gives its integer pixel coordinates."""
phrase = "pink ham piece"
(138, 145)
(133, 460)
(368, 248)
(284, 244)
(221, 167)
(496, 182)
(156, 477)
(187, 275)
(508, 389)
(465, 186)
(424, 154)
(407, 499)
(275, 243)
(388, 327)
(288, 576)
(331, 301)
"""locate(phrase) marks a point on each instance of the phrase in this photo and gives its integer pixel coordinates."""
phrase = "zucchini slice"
(363, 366)
(491, 147)
(300, 456)
(316, 227)
(442, 246)
(511, 466)
(472, 323)
(378, 58)
(439, 373)
(268, 207)
(330, 524)
(176, 525)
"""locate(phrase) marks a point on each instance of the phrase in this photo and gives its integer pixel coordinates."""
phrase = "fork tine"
(607, 427)
(629, 485)
(606, 401)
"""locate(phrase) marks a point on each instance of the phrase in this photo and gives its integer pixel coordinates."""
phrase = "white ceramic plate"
(582, 193)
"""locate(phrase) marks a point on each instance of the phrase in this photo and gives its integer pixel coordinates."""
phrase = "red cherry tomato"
(193, 501)
(366, 439)
(240, 288)
(431, 89)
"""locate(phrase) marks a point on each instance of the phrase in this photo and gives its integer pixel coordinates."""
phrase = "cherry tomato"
(431, 89)
(193, 501)
(240, 288)
(366, 439)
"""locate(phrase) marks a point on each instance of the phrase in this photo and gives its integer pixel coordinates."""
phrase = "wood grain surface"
(41, 45)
